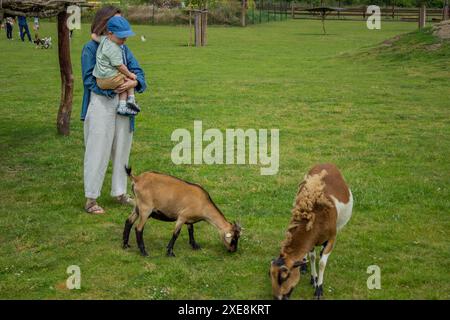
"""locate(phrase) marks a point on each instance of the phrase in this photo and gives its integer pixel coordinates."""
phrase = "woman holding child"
(108, 126)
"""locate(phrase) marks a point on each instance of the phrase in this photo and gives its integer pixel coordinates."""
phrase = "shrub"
(161, 15)
(223, 12)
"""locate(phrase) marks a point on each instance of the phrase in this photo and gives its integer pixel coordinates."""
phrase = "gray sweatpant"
(106, 136)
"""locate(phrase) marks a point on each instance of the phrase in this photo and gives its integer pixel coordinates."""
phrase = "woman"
(106, 134)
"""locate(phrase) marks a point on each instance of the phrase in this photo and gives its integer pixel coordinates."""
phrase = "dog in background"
(44, 43)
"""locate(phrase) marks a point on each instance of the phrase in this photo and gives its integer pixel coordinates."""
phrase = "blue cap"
(120, 27)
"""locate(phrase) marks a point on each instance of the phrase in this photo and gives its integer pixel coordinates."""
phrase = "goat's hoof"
(144, 253)
(318, 294)
(171, 254)
(195, 246)
(126, 246)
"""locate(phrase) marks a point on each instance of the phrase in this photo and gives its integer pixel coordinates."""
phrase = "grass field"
(382, 115)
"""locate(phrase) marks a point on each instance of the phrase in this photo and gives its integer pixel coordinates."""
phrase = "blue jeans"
(27, 31)
(9, 29)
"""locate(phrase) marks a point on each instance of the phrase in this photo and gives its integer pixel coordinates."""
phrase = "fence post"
(422, 16)
(253, 13)
(393, 10)
(261, 8)
(285, 10)
(445, 12)
(292, 10)
(339, 13)
(153, 13)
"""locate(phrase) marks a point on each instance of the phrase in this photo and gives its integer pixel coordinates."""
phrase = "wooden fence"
(359, 13)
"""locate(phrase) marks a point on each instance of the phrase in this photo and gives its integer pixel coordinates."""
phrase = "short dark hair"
(101, 18)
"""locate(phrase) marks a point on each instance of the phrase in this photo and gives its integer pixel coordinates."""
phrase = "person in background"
(23, 26)
(9, 27)
(36, 24)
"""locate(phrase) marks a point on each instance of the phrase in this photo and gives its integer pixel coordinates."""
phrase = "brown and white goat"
(168, 198)
(323, 205)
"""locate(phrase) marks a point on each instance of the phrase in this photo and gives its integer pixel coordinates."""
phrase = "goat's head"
(285, 275)
(231, 237)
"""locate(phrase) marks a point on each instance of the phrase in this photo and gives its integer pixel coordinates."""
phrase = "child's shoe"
(131, 103)
(123, 109)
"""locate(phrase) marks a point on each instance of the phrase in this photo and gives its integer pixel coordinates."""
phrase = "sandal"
(125, 199)
(93, 208)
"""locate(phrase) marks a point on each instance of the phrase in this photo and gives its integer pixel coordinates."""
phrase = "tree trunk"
(204, 26)
(65, 107)
(243, 13)
(190, 28)
(197, 28)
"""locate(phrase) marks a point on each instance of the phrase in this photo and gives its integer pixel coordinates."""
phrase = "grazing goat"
(167, 198)
(323, 205)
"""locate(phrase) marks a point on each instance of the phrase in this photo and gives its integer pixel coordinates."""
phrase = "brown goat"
(167, 198)
(323, 205)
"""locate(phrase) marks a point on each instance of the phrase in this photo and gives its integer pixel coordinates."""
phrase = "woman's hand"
(127, 85)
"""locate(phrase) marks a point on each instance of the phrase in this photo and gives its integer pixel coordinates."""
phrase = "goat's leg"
(175, 235)
(304, 265)
(143, 217)
(312, 259)
(128, 225)
(192, 242)
(326, 251)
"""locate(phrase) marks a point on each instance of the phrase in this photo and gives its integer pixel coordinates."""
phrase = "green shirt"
(109, 57)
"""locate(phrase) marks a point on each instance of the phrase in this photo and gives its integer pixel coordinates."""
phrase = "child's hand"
(132, 76)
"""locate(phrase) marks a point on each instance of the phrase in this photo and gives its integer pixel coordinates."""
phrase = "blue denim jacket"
(88, 61)
(22, 20)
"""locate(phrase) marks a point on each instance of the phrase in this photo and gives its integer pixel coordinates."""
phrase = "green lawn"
(382, 116)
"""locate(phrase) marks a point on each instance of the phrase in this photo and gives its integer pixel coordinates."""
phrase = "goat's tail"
(128, 171)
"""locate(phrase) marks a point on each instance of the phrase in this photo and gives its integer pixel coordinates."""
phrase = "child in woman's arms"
(110, 70)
